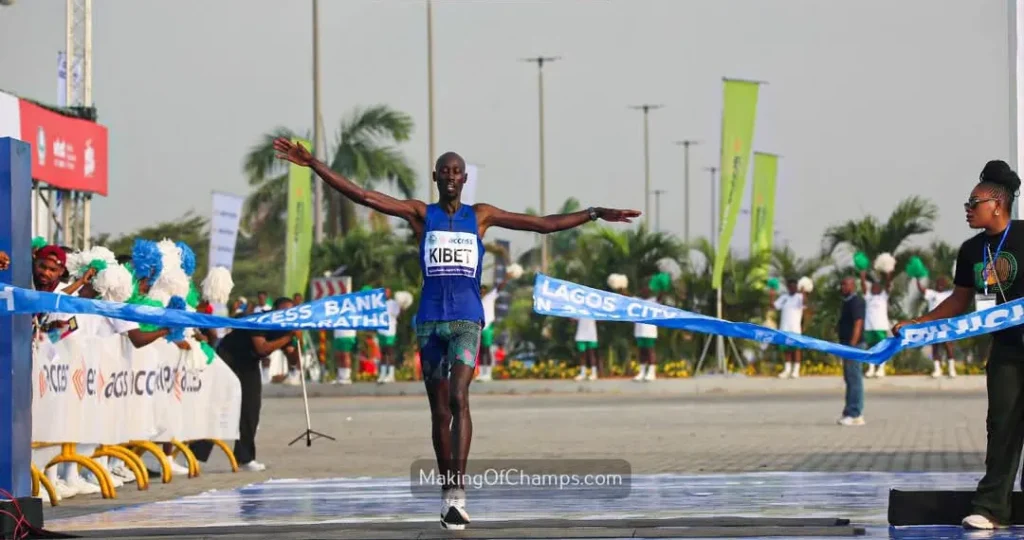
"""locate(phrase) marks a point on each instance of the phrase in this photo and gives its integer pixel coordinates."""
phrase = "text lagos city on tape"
(560, 298)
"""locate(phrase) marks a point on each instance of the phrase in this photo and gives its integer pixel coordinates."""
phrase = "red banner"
(67, 153)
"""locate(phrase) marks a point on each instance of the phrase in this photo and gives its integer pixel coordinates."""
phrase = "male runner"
(488, 298)
(451, 314)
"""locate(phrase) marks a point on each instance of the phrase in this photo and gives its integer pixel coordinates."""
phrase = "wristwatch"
(593, 213)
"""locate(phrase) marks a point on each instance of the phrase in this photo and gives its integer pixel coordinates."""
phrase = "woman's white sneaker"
(253, 466)
(83, 487)
(64, 490)
(978, 522)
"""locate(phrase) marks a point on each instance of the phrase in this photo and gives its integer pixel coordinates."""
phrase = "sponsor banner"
(500, 272)
(364, 310)
(299, 236)
(224, 223)
(559, 298)
(102, 390)
(739, 110)
(10, 116)
(68, 153)
(329, 286)
(762, 221)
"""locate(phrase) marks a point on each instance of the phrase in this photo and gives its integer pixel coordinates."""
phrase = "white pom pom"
(404, 299)
(885, 263)
(618, 282)
(172, 278)
(103, 254)
(76, 264)
(173, 281)
(114, 283)
(514, 271)
(171, 254)
(805, 285)
(217, 285)
(160, 296)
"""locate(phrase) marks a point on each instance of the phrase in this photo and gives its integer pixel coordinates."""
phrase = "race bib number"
(984, 301)
(451, 254)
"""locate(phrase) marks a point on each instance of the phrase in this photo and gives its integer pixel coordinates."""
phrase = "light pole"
(714, 204)
(646, 108)
(657, 209)
(540, 60)
(686, 186)
(430, 98)
(318, 140)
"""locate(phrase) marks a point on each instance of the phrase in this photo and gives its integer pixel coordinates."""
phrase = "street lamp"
(318, 139)
(430, 98)
(540, 60)
(657, 209)
(646, 108)
(686, 186)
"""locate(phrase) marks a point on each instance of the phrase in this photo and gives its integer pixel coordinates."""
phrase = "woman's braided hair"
(1001, 180)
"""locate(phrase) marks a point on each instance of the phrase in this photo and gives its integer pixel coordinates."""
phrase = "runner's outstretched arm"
(409, 210)
(492, 216)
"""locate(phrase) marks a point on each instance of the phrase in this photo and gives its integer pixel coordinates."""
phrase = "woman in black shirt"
(242, 351)
(988, 274)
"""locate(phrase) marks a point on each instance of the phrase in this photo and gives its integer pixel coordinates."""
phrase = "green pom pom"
(661, 282)
(916, 268)
(208, 351)
(143, 300)
(193, 295)
(773, 283)
(98, 264)
(861, 261)
(38, 242)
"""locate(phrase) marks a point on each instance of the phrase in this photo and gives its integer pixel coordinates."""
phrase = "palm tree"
(561, 243)
(364, 152)
(786, 264)
(912, 216)
(599, 252)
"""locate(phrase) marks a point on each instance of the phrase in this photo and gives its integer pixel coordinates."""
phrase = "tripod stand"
(721, 363)
(309, 433)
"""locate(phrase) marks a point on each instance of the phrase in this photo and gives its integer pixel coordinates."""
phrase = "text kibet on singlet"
(451, 258)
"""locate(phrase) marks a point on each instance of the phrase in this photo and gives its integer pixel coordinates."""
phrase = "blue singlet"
(451, 258)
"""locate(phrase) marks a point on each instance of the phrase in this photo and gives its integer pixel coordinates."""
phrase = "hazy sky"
(869, 101)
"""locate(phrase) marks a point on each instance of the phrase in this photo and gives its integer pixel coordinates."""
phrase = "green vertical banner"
(739, 111)
(299, 240)
(762, 211)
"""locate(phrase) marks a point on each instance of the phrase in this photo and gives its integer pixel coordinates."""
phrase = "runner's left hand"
(295, 153)
(899, 326)
(5, 261)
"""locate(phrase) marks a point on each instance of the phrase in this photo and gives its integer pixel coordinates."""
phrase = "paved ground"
(710, 384)
(908, 430)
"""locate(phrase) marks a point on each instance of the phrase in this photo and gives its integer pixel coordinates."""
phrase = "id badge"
(984, 301)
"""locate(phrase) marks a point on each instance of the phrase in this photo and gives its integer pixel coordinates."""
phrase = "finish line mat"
(758, 505)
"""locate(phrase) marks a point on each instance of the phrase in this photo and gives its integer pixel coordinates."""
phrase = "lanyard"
(984, 258)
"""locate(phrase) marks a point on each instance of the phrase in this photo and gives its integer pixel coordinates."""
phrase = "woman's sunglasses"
(974, 201)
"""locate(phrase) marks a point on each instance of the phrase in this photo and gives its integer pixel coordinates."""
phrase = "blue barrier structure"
(16, 331)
